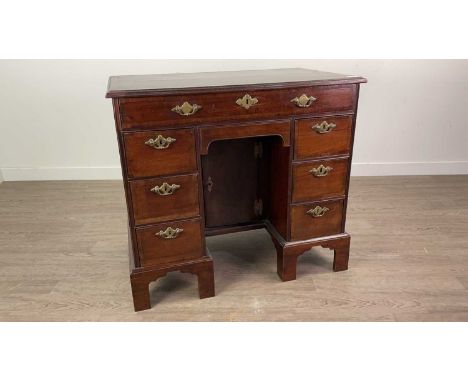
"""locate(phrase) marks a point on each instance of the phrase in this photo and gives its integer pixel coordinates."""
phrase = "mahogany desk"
(212, 153)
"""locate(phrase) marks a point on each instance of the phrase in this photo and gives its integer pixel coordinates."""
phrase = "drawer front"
(163, 244)
(319, 179)
(305, 225)
(162, 199)
(318, 137)
(209, 134)
(189, 109)
(162, 152)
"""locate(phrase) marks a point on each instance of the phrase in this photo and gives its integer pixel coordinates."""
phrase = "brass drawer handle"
(160, 143)
(321, 171)
(247, 101)
(318, 211)
(303, 101)
(169, 233)
(186, 109)
(324, 127)
(165, 189)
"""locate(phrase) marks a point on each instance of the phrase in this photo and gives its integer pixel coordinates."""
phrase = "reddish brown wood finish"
(230, 186)
(218, 141)
(305, 226)
(146, 161)
(310, 144)
(134, 260)
(149, 112)
(141, 279)
(190, 83)
(279, 187)
(210, 134)
(155, 250)
(150, 207)
(287, 253)
(308, 187)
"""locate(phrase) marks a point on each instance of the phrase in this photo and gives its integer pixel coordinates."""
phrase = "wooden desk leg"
(288, 253)
(341, 257)
(286, 265)
(206, 281)
(140, 281)
(140, 292)
(286, 261)
(205, 274)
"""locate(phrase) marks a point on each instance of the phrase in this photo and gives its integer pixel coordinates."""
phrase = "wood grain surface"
(149, 112)
(145, 161)
(310, 144)
(63, 257)
(150, 207)
(307, 186)
(305, 226)
(157, 250)
(142, 85)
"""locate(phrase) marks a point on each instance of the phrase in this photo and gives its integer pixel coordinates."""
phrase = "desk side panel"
(133, 249)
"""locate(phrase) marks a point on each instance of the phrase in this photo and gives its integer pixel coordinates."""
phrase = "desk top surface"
(154, 84)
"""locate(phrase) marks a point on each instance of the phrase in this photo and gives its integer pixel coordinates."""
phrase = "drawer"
(189, 109)
(161, 152)
(309, 221)
(319, 179)
(170, 242)
(162, 199)
(318, 137)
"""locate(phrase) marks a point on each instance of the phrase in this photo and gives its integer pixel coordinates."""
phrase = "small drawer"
(319, 179)
(162, 152)
(319, 137)
(193, 109)
(162, 199)
(316, 219)
(170, 242)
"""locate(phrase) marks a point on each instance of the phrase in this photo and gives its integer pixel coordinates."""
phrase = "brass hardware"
(186, 109)
(324, 127)
(247, 101)
(209, 184)
(318, 211)
(321, 171)
(303, 101)
(258, 207)
(160, 143)
(165, 189)
(258, 150)
(169, 233)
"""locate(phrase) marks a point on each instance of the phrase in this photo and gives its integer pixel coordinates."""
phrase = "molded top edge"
(154, 84)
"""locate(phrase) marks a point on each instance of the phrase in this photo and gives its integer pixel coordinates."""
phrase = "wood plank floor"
(63, 258)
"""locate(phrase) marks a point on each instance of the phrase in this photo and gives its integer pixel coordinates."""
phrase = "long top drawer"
(190, 109)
